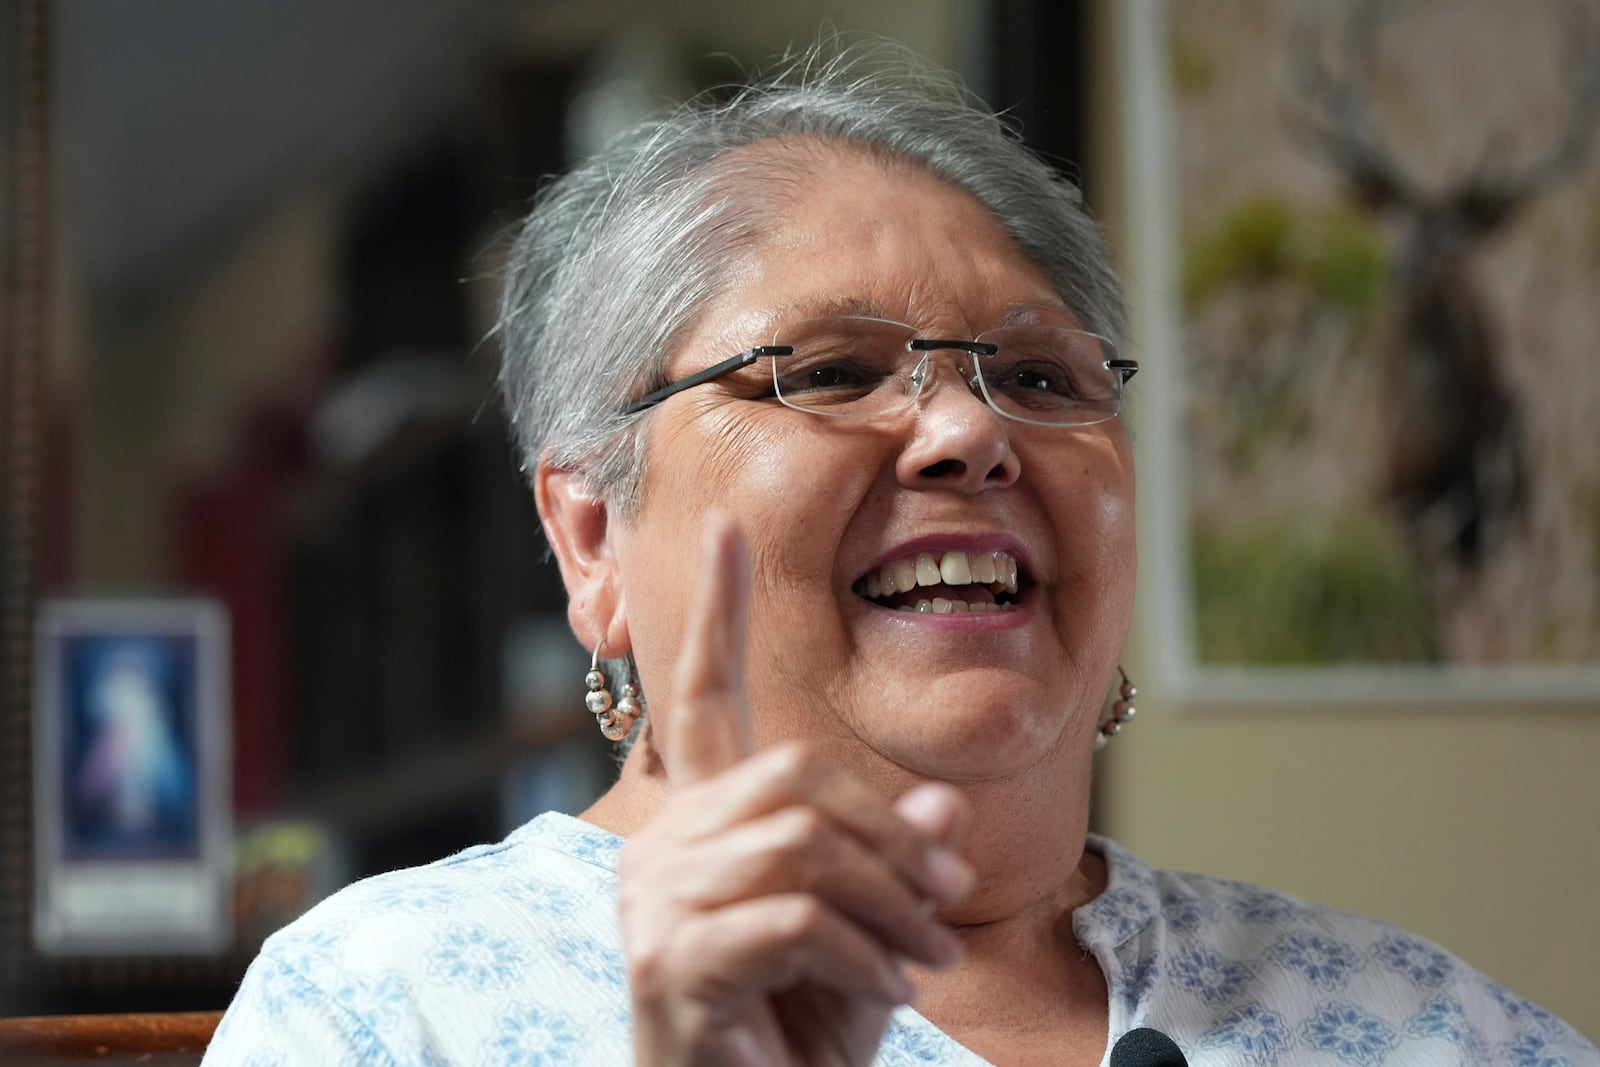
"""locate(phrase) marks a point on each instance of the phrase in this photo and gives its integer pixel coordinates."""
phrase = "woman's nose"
(936, 368)
(957, 440)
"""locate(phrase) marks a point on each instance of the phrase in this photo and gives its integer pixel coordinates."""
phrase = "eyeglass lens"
(859, 367)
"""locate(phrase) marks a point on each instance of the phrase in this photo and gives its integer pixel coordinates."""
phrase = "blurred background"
(250, 260)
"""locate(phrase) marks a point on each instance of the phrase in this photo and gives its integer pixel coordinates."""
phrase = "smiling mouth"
(945, 583)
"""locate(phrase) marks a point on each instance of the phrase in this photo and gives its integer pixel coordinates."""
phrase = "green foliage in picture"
(1336, 253)
(1193, 70)
(1293, 593)
(1250, 243)
(1344, 263)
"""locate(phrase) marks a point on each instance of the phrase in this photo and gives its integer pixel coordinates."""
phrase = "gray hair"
(620, 254)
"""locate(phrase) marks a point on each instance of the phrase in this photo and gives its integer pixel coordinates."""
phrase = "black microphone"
(1145, 1047)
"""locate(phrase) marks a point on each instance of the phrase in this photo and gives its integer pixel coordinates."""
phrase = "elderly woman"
(820, 393)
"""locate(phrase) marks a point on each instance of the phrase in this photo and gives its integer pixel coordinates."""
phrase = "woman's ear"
(577, 522)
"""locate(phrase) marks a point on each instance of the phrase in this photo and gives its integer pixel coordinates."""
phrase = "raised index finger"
(710, 727)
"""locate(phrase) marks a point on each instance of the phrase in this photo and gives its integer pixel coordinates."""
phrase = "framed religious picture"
(1363, 242)
(131, 778)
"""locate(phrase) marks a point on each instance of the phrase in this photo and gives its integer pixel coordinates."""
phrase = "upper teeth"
(998, 570)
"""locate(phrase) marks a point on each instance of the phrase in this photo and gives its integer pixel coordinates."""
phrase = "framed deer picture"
(1363, 251)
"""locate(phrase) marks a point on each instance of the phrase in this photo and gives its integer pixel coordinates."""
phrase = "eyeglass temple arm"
(1125, 367)
(716, 370)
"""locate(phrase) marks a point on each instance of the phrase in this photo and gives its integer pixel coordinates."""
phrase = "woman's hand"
(767, 909)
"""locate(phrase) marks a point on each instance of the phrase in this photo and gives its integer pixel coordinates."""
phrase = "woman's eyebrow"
(1015, 315)
(1024, 314)
(836, 305)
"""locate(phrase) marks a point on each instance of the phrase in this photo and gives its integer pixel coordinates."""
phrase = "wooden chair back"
(160, 1039)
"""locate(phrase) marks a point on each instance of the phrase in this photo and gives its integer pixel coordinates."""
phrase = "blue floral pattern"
(278, 986)
(309, 950)
(1354, 1035)
(598, 962)
(1520, 1009)
(380, 1004)
(283, 973)
(529, 1037)
(1532, 1048)
(1446, 1017)
(474, 956)
(1256, 1032)
(511, 955)
(1122, 911)
(599, 850)
(420, 897)
(1419, 961)
(1140, 979)
(914, 1043)
(1209, 976)
(1185, 912)
(555, 901)
(1324, 963)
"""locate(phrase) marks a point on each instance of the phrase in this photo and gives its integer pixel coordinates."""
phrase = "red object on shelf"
(231, 546)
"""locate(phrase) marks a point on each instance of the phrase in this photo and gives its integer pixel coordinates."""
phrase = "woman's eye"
(1038, 378)
(838, 374)
(1037, 382)
(827, 377)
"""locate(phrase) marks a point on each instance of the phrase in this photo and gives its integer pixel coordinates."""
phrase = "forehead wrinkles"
(968, 275)
(942, 305)
(929, 305)
(779, 173)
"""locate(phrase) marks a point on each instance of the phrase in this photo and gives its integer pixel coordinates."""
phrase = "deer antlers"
(1333, 116)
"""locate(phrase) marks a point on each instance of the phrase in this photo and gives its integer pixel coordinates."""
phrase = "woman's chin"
(973, 739)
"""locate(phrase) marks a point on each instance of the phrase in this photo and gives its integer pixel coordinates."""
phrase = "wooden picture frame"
(133, 828)
(29, 980)
(24, 268)
(1246, 211)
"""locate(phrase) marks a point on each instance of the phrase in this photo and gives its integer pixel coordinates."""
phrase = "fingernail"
(945, 945)
(949, 874)
(932, 808)
(898, 986)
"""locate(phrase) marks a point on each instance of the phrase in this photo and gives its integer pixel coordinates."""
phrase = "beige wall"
(1478, 827)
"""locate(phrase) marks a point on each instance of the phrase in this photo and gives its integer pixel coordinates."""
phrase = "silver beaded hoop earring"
(1121, 711)
(616, 722)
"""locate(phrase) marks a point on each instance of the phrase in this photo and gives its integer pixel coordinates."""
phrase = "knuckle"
(796, 764)
(648, 969)
(803, 828)
(806, 843)
(799, 919)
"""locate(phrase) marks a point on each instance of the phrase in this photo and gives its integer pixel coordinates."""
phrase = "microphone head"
(1145, 1047)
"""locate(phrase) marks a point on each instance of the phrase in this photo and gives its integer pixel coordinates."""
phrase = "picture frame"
(132, 772)
(1196, 581)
